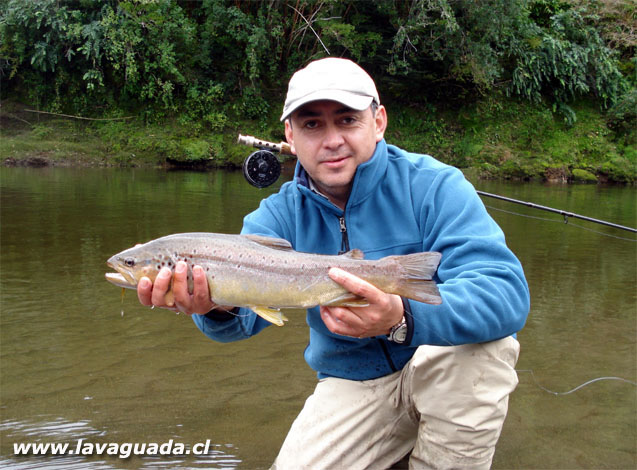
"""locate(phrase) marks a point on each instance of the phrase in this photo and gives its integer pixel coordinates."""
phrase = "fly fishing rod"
(262, 168)
(558, 211)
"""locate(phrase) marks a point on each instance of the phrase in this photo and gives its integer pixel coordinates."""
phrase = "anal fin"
(270, 314)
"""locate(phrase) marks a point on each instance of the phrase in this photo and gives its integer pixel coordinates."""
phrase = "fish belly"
(272, 290)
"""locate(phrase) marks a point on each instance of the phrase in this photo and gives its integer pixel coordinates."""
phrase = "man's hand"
(155, 295)
(383, 312)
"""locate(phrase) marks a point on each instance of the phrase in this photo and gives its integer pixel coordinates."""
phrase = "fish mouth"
(119, 280)
(122, 278)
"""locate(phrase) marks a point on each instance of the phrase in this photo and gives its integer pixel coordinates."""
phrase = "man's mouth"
(334, 162)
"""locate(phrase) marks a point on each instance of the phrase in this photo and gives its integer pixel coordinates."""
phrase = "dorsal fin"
(354, 254)
(276, 243)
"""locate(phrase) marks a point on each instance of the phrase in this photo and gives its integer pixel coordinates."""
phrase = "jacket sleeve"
(244, 323)
(485, 295)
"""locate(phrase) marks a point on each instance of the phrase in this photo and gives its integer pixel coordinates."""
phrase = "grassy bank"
(498, 138)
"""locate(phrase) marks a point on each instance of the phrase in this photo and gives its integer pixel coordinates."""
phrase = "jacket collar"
(367, 178)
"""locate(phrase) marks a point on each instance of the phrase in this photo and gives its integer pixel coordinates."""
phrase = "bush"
(567, 61)
(584, 176)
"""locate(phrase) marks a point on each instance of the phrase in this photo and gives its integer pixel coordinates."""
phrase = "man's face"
(331, 140)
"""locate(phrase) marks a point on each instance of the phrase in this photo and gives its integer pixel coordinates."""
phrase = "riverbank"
(493, 138)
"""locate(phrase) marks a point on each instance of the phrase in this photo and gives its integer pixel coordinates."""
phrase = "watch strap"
(409, 319)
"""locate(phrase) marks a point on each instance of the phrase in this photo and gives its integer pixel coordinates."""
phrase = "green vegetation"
(512, 88)
(497, 138)
(515, 139)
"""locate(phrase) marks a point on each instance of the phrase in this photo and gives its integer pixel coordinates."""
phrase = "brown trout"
(265, 274)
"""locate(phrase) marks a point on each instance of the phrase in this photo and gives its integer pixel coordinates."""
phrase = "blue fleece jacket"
(400, 203)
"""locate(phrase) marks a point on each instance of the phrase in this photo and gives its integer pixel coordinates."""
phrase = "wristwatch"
(398, 332)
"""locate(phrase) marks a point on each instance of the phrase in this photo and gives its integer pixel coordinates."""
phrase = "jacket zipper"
(344, 249)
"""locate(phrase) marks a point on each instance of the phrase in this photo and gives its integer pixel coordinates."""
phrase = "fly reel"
(262, 168)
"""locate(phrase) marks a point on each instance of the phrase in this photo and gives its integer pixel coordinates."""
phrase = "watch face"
(400, 335)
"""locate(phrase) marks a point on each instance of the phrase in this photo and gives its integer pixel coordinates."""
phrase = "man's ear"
(380, 120)
(289, 135)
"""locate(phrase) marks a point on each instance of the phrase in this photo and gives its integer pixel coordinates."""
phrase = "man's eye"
(310, 124)
(349, 120)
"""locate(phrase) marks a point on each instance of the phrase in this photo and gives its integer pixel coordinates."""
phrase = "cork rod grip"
(282, 147)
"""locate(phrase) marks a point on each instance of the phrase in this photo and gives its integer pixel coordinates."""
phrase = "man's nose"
(333, 137)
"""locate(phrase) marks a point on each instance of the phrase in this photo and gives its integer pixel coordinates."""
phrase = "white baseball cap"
(331, 79)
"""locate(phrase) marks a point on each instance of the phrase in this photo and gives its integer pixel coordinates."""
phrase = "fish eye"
(130, 262)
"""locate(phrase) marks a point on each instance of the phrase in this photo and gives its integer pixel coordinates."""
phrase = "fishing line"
(541, 387)
(530, 371)
(565, 222)
(598, 379)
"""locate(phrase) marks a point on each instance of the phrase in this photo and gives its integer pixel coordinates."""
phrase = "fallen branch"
(13, 116)
(79, 117)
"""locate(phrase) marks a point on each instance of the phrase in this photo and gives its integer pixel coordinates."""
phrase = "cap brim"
(349, 99)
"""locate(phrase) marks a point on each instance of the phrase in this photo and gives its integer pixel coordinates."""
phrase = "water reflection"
(73, 367)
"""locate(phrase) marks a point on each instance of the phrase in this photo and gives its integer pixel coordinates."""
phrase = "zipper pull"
(344, 239)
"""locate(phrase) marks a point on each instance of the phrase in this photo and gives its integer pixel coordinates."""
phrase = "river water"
(81, 366)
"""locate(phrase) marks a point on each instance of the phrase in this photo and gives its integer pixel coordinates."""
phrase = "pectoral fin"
(270, 314)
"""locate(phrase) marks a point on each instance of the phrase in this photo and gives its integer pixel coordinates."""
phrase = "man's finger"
(354, 284)
(144, 291)
(180, 284)
(200, 286)
(161, 286)
(330, 316)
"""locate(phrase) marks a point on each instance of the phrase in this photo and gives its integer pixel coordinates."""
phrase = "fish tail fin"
(417, 281)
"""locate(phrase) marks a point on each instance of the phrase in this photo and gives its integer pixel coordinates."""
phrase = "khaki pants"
(447, 406)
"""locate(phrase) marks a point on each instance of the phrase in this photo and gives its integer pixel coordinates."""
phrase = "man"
(397, 376)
